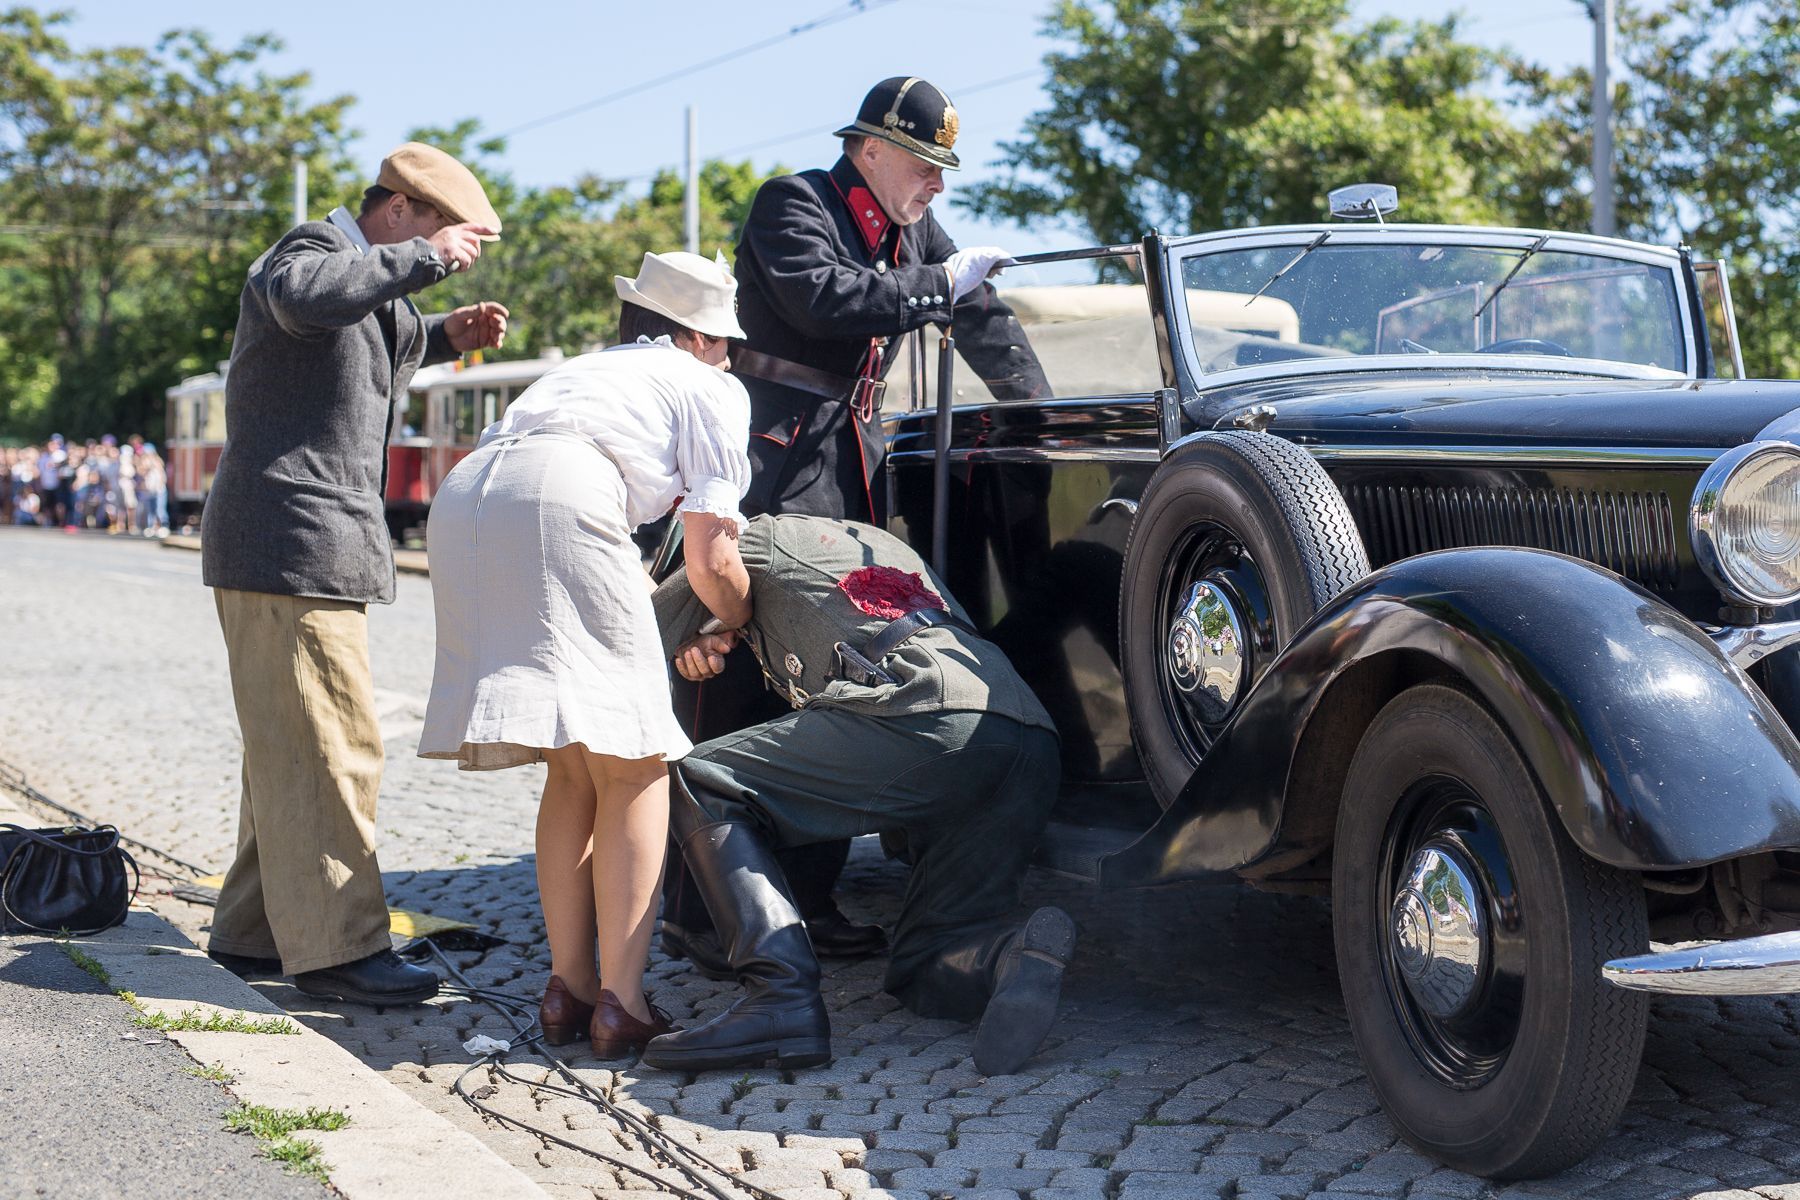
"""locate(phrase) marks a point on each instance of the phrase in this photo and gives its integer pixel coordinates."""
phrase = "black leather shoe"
(836, 936)
(379, 979)
(1027, 984)
(700, 947)
(246, 966)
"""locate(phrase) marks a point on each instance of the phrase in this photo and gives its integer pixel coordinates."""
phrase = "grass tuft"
(270, 1123)
(273, 1129)
(742, 1087)
(88, 963)
(194, 1021)
(212, 1071)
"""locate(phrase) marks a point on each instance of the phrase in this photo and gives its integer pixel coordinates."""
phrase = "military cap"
(426, 173)
(913, 115)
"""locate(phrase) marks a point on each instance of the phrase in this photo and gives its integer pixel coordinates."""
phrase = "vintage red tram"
(444, 412)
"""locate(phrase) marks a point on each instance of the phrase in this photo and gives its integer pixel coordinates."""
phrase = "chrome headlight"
(1745, 523)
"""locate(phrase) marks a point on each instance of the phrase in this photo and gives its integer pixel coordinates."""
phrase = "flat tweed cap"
(427, 173)
(912, 114)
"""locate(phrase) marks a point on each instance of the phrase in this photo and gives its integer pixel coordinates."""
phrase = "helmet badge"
(946, 134)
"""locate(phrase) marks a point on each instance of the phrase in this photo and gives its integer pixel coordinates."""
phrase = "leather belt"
(864, 666)
(896, 633)
(767, 367)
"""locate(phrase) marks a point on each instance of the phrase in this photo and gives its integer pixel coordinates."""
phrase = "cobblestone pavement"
(1202, 1050)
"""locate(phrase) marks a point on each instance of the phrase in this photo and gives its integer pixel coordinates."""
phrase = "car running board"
(1076, 850)
(1758, 966)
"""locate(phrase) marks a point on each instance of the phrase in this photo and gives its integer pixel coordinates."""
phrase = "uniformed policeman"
(833, 266)
(907, 722)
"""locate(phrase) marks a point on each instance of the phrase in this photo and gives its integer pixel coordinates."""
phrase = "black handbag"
(71, 880)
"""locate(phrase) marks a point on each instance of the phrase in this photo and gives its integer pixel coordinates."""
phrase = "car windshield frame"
(1178, 253)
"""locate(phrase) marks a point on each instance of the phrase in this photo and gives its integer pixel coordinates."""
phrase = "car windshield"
(1357, 297)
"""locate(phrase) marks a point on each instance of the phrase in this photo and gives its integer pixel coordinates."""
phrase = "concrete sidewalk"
(99, 1106)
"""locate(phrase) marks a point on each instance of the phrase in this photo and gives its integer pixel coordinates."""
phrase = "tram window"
(466, 416)
(491, 407)
(409, 420)
(212, 409)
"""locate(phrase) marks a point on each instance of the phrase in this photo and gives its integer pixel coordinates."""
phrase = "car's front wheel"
(1240, 538)
(1470, 933)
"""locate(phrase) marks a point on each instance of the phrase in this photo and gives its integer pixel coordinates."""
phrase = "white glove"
(969, 267)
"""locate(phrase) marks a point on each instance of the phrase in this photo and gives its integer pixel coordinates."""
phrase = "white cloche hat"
(687, 289)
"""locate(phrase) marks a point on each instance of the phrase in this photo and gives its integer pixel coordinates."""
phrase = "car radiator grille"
(1632, 533)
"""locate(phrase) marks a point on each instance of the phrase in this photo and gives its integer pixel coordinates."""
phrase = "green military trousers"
(969, 791)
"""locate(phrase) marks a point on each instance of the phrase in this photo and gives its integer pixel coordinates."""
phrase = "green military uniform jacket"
(818, 581)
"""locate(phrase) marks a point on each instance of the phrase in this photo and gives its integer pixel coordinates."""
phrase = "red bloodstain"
(888, 592)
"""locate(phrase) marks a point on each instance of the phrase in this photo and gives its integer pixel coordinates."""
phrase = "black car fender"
(1655, 750)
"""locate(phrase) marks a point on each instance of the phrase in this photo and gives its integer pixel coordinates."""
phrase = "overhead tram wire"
(817, 130)
(854, 8)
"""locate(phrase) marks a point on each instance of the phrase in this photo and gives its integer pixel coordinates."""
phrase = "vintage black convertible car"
(1446, 570)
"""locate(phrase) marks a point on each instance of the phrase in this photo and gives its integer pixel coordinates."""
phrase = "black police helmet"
(913, 115)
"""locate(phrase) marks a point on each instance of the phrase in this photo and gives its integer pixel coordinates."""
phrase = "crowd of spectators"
(97, 485)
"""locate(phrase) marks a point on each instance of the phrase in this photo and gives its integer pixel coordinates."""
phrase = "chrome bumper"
(1747, 645)
(1757, 966)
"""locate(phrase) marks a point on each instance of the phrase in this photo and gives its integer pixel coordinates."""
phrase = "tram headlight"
(1745, 523)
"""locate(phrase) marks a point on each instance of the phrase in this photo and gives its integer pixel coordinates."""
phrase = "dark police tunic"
(821, 271)
(955, 753)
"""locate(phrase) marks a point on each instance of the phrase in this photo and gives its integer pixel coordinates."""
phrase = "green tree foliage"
(1708, 151)
(1199, 114)
(138, 185)
(135, 185)
(554, 265)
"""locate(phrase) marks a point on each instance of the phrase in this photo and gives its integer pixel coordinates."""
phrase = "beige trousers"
(305, 885)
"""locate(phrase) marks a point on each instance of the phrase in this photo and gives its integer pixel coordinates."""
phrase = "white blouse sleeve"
(711, 450)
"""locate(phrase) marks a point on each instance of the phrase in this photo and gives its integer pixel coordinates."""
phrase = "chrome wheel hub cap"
(1206, 651)
(1437, 932)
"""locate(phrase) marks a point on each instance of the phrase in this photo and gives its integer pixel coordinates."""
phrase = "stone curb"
(392, 1149)
(411, 561)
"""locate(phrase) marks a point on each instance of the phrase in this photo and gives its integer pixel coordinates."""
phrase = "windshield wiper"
(1292, 263)
(1523, 259)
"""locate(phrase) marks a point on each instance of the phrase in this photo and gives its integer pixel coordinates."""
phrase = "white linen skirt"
(545, 633)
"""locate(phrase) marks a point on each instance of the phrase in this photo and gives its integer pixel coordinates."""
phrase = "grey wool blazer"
(326, 338)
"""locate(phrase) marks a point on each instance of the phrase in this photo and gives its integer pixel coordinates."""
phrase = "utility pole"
(692, 197)
(299, 191)
(1602, 11)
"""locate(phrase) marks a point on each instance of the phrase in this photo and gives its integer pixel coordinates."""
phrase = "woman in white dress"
(547, 647)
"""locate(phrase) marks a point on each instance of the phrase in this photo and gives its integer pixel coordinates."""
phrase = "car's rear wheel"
(1470, 933)
(1239, 539)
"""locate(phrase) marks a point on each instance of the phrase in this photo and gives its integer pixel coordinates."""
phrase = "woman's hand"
(704, 657)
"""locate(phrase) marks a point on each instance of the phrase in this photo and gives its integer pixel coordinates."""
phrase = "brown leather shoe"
(615, 1033)
(562, 1017)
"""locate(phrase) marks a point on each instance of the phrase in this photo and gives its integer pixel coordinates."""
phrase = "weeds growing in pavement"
(88, 963)
(273, 1129)
(212, 1071)
(195, 1021)
(741, 1088)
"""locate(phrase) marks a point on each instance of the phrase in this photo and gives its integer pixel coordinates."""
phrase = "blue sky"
(413, 64)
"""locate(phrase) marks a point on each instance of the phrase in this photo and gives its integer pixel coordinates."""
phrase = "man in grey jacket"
(295, 546)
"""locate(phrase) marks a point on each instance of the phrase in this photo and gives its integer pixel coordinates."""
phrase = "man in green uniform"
(908, 722)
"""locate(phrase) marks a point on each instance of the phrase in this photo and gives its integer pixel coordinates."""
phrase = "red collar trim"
(866, 213)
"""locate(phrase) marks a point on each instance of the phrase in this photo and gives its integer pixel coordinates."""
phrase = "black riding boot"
(1009, 977)
(781, 1017)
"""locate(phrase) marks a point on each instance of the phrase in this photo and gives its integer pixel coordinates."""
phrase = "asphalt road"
(97, 1109)
(1202, 1049)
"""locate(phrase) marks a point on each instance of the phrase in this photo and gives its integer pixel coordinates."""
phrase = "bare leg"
(565, 837)
(631, 834)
